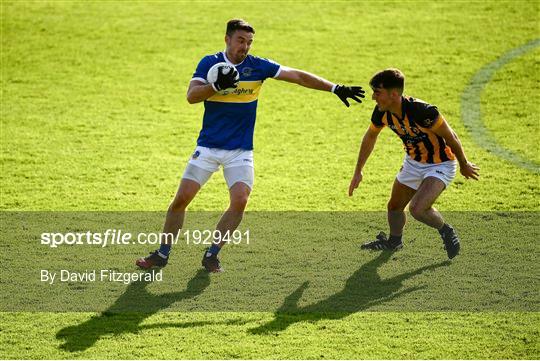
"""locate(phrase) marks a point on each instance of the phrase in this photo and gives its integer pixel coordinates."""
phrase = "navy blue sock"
(214, 250)
(165, 249)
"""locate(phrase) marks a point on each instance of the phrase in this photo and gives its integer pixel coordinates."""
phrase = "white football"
(212, 75)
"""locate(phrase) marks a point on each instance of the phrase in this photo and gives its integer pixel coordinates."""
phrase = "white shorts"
(412, 173)
(237, 165)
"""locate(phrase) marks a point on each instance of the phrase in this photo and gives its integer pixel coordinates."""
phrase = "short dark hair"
(238, 24)
(388, 79)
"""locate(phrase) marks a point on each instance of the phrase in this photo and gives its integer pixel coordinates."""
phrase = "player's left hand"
(353, 92)
(469, 170)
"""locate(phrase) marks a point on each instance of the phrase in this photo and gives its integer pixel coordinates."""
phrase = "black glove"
(353, 92)
(225, 81)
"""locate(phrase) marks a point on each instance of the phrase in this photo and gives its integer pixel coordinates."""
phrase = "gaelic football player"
(433, 152)
(226, 137)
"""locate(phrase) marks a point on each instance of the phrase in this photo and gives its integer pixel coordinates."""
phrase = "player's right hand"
(226, 81)
(355, 181)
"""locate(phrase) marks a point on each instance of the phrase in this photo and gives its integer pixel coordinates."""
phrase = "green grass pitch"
(94, 118)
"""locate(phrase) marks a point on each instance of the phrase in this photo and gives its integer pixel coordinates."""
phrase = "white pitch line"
(471, 113)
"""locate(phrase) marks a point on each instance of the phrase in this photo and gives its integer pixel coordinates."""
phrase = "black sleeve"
(376, 118)
(426, 114)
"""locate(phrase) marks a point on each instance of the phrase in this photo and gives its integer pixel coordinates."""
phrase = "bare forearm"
(368, 143)
(455, 144)
(312, 81)
(199, 93)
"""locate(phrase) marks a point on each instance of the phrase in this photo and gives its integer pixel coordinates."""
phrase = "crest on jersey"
(428, 122)
(247, 71)
(196, 155)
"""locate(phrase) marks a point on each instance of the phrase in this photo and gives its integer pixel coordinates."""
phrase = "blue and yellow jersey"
(229, 120)
(416, 130)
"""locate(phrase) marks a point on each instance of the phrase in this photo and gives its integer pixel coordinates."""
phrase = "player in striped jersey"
(431, 148)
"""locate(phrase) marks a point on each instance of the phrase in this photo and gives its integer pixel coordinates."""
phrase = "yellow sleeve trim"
(438, 123)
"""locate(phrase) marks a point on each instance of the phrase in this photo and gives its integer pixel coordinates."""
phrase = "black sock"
(395, 239)
(445, 228)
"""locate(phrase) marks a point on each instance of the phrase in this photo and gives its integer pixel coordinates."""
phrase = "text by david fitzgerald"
(104, 275)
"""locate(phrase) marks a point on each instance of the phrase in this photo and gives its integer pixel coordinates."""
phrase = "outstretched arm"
(313, 81)
(467, 169)
(305, 79)
(368, 143)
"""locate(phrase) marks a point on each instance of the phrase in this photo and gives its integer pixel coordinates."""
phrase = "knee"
(239, 202)
(393, 206)
(179, 203)
(417, 211)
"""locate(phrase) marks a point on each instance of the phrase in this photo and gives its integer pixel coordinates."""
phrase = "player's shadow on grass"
(364, 289)
(129, 311)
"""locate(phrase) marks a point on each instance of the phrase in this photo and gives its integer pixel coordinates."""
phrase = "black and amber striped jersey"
(416, 130)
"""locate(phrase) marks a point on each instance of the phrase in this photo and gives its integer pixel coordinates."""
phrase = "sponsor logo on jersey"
(242, 91)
